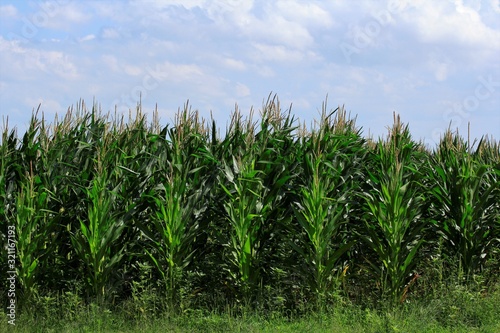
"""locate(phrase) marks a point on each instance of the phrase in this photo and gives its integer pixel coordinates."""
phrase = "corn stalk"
(253, 178)
(465, 202)
(322, 207)
(393, 223)
(176, 201)
(33, 224)
(245, 211)
(98, 240)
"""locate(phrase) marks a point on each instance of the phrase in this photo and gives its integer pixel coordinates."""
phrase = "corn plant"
(25, 204)
(276, 151)
(393, 224)
(176, 202)
(66, 162)
(243, 205)
(320, 217)
(33, 225)
(245, 210)
(465, 202)
(322, 207)
(7, 148)
(253, 178)
(97, 240)
(7, 187)
(265, 214)
(255, 165)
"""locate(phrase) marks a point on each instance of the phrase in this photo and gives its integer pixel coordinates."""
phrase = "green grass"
(457, 311)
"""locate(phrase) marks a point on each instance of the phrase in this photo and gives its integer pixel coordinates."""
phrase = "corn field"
(269, 212)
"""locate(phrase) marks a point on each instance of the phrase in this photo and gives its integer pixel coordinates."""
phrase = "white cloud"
(120, 66)
(22, 60)
(309, 14)
(175, 72)
(440, 65)
(110, 33)
(161, 4)
(224, 62)
(234, 64)
(440, 70)
(8, 11)
(277, 53)
(229, 11)
(87, 38)
(220, 52)
(59, 14)
(264, 70)
(111, 62)
(276, 29)
(242, 90)
(495, 5)
(48, 106)
(58, 63)
(274, 25)
(437, 22)
(111, 10)
(132, 70)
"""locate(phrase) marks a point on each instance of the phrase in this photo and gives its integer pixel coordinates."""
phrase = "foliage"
(465, 206)
(393, 226)
(330, 169)
(270, 212)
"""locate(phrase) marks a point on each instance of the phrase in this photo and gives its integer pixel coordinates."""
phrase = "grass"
(458, 311)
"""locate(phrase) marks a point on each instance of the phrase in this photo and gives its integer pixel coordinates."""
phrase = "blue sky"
(433, 62)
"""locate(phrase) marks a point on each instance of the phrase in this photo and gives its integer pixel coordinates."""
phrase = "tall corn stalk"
(66, 168)
(465, 204)
(244, 209)
(7, 189)
(244, 206)
(33, 222)
(7, 149)
(98, 240)
(331, 165)
(176, 201)
(25, 204)
(253, 179)
(393, 223)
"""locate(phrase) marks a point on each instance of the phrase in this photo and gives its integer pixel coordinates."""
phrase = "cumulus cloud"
(111, 62)
(306, 14)
(242, 90)
(234, 64)
(87, 38)
(109, 33)
(279, 53)
(452, 22)
(216, 53)
(48, 106)
(175, 72)
(276, 29)
(495, 5)
(23, 60)
(8, 11)
(440, 65)
(59, 14)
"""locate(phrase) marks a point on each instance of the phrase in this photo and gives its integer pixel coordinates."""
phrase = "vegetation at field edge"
(270, 224)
